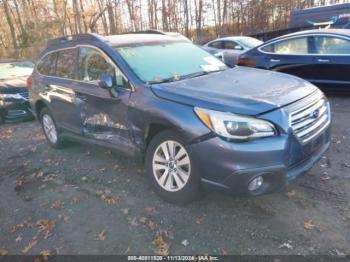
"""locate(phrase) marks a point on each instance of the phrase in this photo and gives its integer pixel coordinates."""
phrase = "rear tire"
(50, 129)
(170, 168)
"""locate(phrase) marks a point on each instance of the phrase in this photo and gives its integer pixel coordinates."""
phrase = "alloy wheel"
(49, 128)
(171, 166)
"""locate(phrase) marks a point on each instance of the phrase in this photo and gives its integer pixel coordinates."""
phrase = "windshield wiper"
(165, 80)
(192, 75)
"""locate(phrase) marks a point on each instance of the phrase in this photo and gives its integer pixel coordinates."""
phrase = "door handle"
(275, 60)
(323, 60)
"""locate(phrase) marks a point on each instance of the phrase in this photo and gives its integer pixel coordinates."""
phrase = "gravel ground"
(88, 200)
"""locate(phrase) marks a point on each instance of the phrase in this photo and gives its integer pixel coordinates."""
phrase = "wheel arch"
(39, 105)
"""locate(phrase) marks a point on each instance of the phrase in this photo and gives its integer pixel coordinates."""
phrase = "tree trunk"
(10, 24)
(77, 17)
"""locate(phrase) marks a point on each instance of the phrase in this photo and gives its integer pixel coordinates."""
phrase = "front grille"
(25, 95)
(311, 120)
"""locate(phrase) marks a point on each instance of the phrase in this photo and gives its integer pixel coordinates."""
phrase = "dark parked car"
(319, 56)
(195, 122)
(14, 103)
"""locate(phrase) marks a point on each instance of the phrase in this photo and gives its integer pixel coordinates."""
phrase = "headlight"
(235, 126)
(10, 96)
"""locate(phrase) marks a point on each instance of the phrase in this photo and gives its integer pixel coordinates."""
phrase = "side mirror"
(238, 47)
(219, 55)
(105, 81)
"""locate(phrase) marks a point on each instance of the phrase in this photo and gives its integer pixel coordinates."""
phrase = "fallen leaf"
(199, 220)
(151, 225)
(150, 210)
(286, 245)
(18, 239)
(101, 236)
(133, 222)
(111, 200)
(39, 174)
(185, 243)
(45, 227)
(162, 248)
(308, 224)
(58, 205)
(75, 200)
(325, 176)
(339, 253)
(143, 220)
(101, 170)
(3, 252)
(346, 165)
(99, 193)
(30, 246)
(45, 254)
(290, 193)
(43, 186)
(125, 211)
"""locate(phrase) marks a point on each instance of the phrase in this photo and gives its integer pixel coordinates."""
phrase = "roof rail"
(87, 36)
(148, 31)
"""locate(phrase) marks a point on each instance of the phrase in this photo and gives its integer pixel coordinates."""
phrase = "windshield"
(15, 69)
(249, 42)
(169, 61)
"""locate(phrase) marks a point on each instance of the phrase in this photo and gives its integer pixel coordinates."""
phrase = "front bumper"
(279, 160)
(15, 110)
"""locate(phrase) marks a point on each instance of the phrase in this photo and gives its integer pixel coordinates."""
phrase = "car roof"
(126, 39)
(340, 32)
(140, 38)
(12, 60)
(231, 38)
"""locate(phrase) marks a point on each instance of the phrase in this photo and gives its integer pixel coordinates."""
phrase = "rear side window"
(216, 44)
(294, 46)
(231, 45)
(46, 66)
(66, 63)
(329, 45)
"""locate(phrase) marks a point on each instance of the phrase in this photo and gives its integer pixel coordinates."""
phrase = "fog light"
(256, 183)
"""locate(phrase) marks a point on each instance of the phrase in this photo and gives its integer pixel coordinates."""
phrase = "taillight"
(245, 61)
(29, 81)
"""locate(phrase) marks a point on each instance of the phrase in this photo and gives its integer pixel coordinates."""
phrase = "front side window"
(92, 65)
(294, 46)
(331, 45)
(66, 64)
(162, 61)
(249, 42)
(46, 66)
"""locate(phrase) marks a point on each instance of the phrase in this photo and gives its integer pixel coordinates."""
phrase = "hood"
(13, 85)
(240, 90)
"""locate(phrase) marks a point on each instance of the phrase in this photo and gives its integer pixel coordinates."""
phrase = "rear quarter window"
(46, 66)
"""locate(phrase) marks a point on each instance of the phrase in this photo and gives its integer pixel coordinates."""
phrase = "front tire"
(50, 129)
(170, 168)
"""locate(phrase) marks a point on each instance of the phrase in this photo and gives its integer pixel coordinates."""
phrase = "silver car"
(231, 47)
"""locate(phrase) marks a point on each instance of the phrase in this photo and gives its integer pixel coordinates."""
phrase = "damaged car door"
(103, 110)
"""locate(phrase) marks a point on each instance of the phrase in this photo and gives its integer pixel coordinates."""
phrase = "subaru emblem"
(315, 114)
